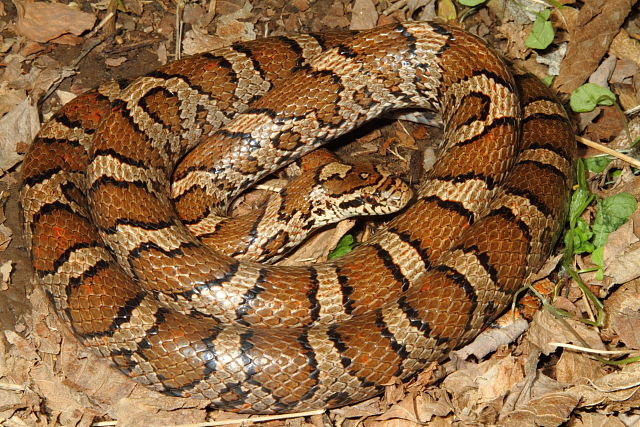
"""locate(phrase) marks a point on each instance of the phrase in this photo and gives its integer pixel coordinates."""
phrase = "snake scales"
(122, 269)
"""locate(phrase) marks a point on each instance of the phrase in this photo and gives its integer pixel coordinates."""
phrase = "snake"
(322, 190)
(115, 179)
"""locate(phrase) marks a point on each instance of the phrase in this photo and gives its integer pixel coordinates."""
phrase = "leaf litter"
(504, 378)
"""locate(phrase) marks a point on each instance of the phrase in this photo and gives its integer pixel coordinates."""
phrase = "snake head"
(360, 189)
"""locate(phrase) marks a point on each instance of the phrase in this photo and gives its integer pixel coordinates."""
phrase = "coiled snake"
(123, 270)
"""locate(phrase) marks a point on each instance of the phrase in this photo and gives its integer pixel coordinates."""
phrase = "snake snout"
(391, 195)
(397, 193)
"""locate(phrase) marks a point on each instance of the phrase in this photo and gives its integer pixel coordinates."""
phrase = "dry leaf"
(413, 409)
(619, 388)
(5, 275)
(621, 82)
(227, 7)
(587, 419)
(601, 75)
(19, 125)
(596, 17)
(546, 329)
(492, 338)
(623, 313)
(624, 47)
(550, 410)
(5, 236)
(115, 62)
(622, 255)
(479, 384)
(9, 98)
(65, 96)
(300, 5)
(577, 368)
(234, 26)
(197, 40)
(43, 22)
(363, 15)
(606, 126)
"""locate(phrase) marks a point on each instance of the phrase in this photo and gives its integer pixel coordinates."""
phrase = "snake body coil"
(121, 267)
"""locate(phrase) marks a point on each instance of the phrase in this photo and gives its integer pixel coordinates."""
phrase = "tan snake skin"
(322, 190)
(122, 269)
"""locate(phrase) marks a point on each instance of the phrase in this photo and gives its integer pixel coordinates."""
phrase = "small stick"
(635, 163)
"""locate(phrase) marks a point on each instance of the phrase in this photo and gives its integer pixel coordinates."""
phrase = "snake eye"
(364, 175)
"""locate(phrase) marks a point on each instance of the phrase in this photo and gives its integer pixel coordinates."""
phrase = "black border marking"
(456, 207)
(399, 349)
(249, 296)
(391, 266)
(414, 243)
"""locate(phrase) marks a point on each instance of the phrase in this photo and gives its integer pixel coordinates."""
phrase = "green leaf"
(598, 259)
(547, 80)
(580, 199)
(447, 10)
(581, 174)
(556, 4)
(344, 246)
(589, 96)
(544, 14)
(471, 3)
(597, 164)
(614, 211)
(542, 34)
(582, 235)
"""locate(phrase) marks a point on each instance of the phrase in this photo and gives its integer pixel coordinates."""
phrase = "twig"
(397, 5)
(11, 387)
(395, 153)
(70, 70)
(589, 350)
(631, 111)
(102, 23)
(256, 419)
(635, 163)
(132, 46)
(179, 28)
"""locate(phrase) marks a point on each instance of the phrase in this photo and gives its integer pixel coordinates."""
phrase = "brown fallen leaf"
(617, 390)
(43, 22)
(622, 255)
(363, 15)
(546, 329)
(577, 368)
(19, 125)
(624, 47)
(413, 409)
(549, 410)
(601, 75)
(622, 83)
(115, 62)
(197, 40)
(623, 313)
(606, 126)
(235, 26)
(478, 385)
(595, 27)
(587, 419)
